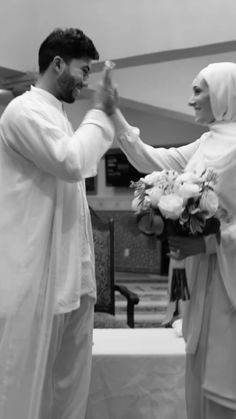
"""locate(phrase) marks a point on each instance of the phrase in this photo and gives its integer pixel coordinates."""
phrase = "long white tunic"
(41, 157)
(216, 266)
(46, 248)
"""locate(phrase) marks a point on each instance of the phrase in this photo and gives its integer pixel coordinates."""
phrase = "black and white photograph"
(118, 209)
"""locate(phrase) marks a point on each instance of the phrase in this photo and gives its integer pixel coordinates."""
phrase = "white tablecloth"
(137, 374)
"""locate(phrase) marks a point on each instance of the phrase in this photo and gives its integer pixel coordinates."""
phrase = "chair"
(103, 235)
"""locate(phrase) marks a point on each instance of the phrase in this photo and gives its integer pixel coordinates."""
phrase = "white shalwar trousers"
(67, 377)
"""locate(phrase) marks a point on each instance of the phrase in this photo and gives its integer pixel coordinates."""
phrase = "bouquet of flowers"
(173, 203)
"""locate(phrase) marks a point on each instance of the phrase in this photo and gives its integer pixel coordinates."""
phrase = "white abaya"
(209, 319)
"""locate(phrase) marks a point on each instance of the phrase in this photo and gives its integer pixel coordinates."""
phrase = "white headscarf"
(221, 80)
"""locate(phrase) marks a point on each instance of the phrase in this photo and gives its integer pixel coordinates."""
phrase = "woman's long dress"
(209, 318)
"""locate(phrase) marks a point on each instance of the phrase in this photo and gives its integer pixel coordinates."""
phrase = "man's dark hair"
(68, 44)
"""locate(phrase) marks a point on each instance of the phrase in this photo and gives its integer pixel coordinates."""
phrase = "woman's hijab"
(221, 80)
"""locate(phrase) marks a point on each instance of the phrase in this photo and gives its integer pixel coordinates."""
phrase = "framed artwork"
(119, 172)
(91, 185)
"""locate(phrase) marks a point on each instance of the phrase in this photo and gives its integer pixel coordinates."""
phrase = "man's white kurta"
(43, 155)
(45, 234)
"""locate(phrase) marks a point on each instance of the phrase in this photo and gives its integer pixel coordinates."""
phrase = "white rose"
(189, 177)
(155, 194)
(209, 202)
(171, 206)
(189, 190)
(152, 178)
(170, 175)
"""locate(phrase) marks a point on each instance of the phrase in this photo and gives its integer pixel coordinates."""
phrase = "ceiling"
(158, 47)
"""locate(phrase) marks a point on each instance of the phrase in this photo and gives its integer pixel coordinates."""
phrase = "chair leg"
(130, 314)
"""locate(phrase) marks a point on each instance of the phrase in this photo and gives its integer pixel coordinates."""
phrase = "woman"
(209, 318)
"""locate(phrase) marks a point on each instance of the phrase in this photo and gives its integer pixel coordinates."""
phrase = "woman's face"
(200, 101)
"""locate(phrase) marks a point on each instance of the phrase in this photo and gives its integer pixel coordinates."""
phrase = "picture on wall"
(119, 171)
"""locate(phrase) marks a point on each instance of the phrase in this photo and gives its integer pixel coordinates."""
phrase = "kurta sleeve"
(145, 157)
(34, 135)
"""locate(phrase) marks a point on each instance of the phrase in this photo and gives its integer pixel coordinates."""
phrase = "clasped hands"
(182, 247)
(106, 96)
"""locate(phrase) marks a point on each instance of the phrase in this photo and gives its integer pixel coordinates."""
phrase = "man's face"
(200, 101)
(73, 78)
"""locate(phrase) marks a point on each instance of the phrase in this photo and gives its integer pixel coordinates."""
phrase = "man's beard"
(67, 85)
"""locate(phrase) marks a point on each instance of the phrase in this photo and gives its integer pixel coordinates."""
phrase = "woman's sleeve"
(211, 243)
(146, 158)
(228, 237)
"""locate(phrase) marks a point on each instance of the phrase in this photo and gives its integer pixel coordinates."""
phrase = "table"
(137, 374)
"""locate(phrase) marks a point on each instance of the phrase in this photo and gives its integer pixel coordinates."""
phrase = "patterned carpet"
(153, 294)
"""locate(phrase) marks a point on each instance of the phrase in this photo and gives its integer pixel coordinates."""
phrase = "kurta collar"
(52, 100)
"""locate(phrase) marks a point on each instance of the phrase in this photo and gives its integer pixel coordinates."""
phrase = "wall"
(157, 25)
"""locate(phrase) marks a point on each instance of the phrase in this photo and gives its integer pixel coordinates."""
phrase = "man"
(47, 280)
